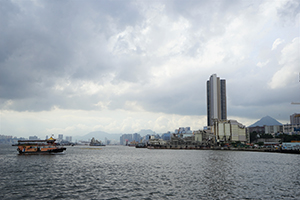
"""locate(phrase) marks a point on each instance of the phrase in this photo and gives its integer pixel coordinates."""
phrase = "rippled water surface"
(119, 172)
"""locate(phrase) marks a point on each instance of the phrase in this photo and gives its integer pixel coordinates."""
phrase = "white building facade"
(229, 130)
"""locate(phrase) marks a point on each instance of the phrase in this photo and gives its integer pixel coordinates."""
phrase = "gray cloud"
(50, 51)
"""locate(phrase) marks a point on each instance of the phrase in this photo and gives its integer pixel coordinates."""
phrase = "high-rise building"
(216, 99)
(295, 119)
(136, 137)
(69, 138)
(60, 137)
(125, 138)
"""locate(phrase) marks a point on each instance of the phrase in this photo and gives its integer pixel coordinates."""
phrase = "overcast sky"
(72, 67)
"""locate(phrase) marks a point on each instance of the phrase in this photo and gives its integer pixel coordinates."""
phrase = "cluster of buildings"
(129, 138)
(12, 140)
(6, 139)
(61, 138)
(292, 128)
(218, 130)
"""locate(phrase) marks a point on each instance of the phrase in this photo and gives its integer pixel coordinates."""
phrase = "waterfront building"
(268, 141)
(229, 130)
(276, 129)
(295, 119)
(203, 136)
(273, 129)
(257, 129)
(156, 141)
(166, 136)
(291, 129)
(125, 138)
(136, 137)
(216, 99)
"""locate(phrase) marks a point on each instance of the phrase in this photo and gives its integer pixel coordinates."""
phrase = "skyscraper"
(216, 99)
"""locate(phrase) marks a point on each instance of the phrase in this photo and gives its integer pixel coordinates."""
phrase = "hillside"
(101, 135)
(267, 120)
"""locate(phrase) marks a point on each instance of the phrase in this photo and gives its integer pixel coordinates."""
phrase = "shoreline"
(268, 150)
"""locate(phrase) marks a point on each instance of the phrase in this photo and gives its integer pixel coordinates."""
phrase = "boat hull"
(49, 151)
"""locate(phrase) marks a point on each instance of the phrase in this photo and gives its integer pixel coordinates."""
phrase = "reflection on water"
(125, 172)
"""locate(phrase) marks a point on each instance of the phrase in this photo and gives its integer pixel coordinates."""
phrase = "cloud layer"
(144, 64)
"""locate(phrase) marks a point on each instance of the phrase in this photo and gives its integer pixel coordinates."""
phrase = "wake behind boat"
(39, 146)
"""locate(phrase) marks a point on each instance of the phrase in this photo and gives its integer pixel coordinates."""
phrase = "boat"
(141, 145)
(39, 146)
(132, 144)
(96, 143)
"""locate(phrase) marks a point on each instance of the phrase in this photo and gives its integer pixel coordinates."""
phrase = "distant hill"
(101, 135)
(98, 135)
(144, 132)
(267, 120)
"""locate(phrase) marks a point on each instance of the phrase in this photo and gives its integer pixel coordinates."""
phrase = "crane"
(296, 103)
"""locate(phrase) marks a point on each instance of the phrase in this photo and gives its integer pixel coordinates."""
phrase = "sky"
(73, 67)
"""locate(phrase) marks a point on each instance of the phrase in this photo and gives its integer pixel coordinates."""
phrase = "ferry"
(96, 143)
(39, 146)
(141, 145)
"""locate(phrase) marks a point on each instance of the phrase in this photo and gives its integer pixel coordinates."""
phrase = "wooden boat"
(39, 146)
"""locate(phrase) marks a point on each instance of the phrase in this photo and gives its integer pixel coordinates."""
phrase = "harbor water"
(120, 172)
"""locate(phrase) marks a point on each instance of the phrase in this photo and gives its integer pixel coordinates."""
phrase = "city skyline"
(123, 66)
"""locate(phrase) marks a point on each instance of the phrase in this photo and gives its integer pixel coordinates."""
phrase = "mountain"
(267, 120)
(101, 135)
(98, 135)
(144, 132)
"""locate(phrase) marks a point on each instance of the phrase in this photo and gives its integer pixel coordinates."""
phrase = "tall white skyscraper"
(216, 99)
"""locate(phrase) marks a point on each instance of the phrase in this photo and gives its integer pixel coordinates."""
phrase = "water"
(119, 172)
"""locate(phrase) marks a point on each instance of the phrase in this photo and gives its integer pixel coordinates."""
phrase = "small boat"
(141, 145)
(39, 146)
(132, 144)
